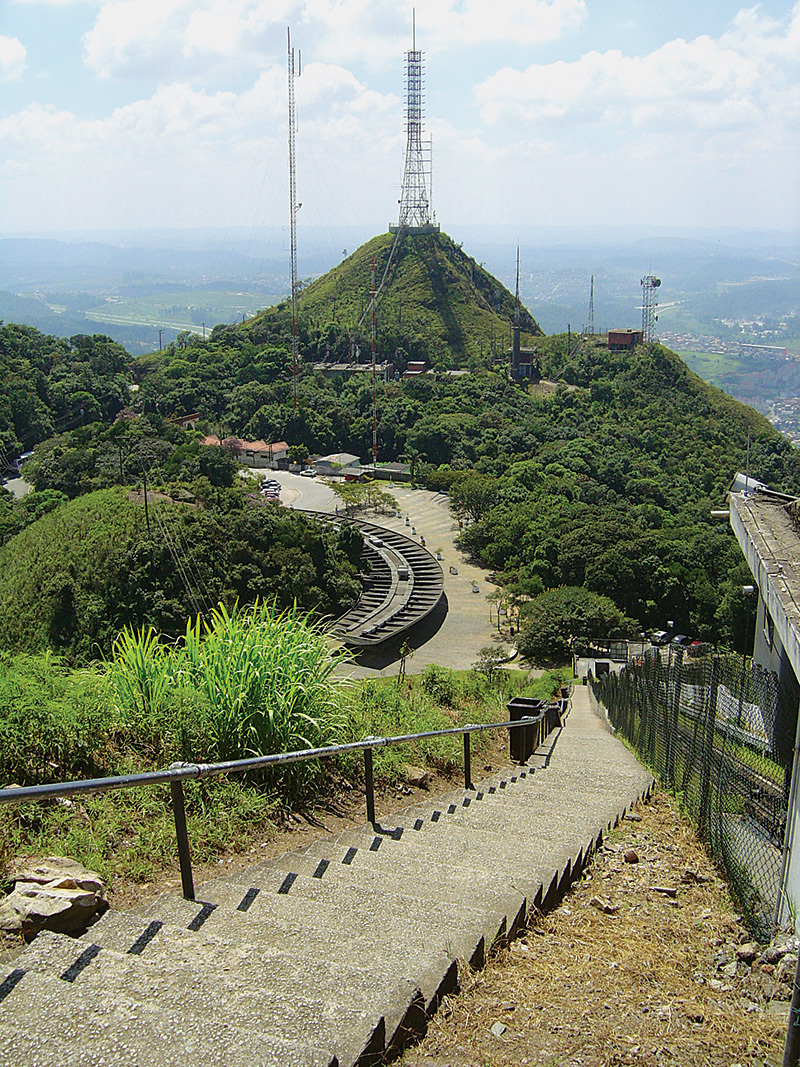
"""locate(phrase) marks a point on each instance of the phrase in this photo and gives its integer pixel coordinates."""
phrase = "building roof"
(766, 525)
(340, 459)
(247, 446)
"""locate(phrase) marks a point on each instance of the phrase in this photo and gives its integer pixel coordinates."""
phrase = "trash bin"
(522, 740)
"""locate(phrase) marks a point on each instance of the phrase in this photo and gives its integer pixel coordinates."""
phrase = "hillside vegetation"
(436, 303)
(602, 477)
(76, 577)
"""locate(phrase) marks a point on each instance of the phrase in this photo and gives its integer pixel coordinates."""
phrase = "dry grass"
(623, 972)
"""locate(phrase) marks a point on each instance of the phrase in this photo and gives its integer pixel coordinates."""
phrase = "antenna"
(374, 372)
(591, 307)
(415, 204)
(293, 206)
(516, 354)
(649, 304)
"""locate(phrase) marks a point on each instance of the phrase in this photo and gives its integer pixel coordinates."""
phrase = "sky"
(132, 114)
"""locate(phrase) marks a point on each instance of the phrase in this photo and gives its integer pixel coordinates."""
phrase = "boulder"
(416, 776)
(52, 893)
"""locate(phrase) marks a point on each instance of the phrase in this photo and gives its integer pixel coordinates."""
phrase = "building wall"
(776, 647)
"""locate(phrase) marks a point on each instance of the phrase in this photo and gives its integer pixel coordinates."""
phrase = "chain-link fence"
(720, 734)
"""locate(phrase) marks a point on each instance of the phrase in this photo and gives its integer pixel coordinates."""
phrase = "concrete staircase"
(333, 955)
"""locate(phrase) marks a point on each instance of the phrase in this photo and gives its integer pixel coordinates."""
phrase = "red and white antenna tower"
(293, 206)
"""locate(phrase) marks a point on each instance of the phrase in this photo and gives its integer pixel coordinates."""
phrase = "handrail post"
(181, 833)
(467, 762)
(369, 785)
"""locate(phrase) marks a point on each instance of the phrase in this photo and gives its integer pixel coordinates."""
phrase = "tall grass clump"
(240, 683)
(268, 678)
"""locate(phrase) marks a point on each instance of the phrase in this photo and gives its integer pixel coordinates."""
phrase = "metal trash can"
(522, 741)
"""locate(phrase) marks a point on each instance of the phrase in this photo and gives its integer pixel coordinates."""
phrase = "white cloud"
(49, 3)
(695, 85)
(184, 154)
(12, 58)
(135, 36)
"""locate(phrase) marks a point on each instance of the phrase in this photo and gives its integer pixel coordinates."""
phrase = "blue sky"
(125, 114)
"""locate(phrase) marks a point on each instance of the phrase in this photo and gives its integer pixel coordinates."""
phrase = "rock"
(777, 1009)
(416, 776)
(786, 969)
(631, 855)
(52, 893)
(604, 905)
(691, 876)
(729, 970)
(748, 952)
(633, 816)
(45, 869)
(782, 944)
(499, 1029)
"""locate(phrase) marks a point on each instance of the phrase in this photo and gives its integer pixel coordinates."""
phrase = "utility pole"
(146, 511)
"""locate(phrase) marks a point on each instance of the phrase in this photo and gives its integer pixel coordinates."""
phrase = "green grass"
(73, 724)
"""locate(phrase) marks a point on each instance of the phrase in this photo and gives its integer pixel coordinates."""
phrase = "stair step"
(465, 929)
(308, 931)
(47, 1042)
(266, 995)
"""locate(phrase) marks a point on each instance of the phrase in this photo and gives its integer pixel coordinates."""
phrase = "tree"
(552, 621)
(490, 659)
(361, 496)
(473, 495)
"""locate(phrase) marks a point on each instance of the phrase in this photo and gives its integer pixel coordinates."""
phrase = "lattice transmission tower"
(416, 215)
(650, 285)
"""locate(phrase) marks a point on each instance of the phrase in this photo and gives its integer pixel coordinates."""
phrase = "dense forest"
(601, 476)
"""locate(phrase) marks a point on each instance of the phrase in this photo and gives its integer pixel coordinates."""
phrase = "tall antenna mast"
(591, 307)
(516, 294)
(649, 305)
(293, 206)
(516, 352)
(415, 204)
(374, 372)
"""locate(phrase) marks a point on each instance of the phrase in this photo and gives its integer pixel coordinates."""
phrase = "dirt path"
(637, 966)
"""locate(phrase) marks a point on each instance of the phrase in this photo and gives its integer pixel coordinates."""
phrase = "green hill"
(434, 303)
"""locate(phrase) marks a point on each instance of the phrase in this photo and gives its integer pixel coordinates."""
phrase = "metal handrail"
(175, 775)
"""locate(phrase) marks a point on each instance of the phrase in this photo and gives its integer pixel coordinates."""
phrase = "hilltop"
(434, 303)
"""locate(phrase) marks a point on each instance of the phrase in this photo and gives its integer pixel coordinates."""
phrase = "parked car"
(681, 639)
(659, 637)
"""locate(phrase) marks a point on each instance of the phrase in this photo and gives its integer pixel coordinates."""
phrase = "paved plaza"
(451, 636)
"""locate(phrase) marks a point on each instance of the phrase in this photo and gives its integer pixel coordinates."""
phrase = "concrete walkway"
(454, 635)
(331, 955)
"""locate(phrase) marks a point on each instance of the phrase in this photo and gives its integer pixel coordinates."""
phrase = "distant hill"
(434, 303)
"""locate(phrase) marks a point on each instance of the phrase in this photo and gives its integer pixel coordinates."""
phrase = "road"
(451, 637)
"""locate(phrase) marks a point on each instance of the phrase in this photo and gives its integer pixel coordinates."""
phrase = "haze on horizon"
(136, 114)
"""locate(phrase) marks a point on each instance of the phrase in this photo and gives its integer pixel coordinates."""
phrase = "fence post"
(369, 785)
(467, 762)
(704, 815)
(182, 835)
(672, 722)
